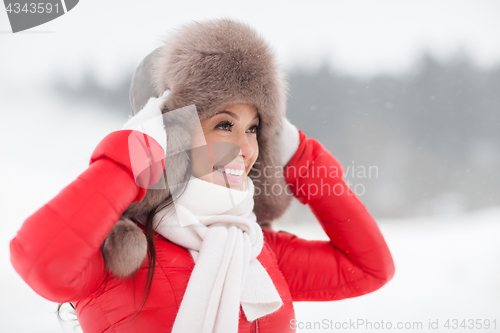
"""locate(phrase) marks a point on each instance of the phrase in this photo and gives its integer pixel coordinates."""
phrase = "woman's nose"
(246, 149)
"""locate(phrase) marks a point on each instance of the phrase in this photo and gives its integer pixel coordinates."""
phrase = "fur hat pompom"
(125, 248)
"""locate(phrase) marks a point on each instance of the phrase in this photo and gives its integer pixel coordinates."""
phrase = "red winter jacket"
(57, 251)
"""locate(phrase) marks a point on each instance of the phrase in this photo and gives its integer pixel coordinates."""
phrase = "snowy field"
(447, 267)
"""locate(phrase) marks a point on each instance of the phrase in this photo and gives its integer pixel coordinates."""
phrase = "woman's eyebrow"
(234, 115)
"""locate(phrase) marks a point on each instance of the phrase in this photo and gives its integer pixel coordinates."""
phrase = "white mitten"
(289, 141)
(150, 120)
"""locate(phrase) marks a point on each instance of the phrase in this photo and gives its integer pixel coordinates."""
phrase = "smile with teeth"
(234, 172)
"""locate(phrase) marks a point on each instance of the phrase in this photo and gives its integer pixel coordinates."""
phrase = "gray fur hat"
(212, 64)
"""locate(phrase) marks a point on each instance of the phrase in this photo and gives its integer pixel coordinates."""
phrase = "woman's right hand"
(57, 251)
(133, 148)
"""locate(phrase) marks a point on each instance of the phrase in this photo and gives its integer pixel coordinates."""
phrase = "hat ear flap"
(272, 197)
(177, 167)
(142, 88)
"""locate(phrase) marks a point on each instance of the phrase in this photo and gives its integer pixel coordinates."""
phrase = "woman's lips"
(234, 166)
(234, 173)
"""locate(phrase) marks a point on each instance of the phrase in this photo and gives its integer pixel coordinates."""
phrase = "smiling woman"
(237, 124)
(180, 218)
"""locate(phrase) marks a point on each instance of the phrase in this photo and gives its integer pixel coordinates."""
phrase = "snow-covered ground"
(447, 267)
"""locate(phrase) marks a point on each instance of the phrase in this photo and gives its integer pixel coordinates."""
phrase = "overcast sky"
(359, 37)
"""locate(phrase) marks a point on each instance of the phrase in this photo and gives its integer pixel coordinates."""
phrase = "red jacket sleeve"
(356, 260)
(57, 250)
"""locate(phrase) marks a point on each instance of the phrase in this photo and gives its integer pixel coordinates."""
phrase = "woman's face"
(231, 136)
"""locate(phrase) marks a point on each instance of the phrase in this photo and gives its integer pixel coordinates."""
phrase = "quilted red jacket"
(57, 250)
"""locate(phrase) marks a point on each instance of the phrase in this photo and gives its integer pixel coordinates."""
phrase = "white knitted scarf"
(218, 227)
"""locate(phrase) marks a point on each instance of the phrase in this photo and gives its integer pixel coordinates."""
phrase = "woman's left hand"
(288, 141)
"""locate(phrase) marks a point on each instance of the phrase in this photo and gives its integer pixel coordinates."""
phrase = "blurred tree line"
(425, 142)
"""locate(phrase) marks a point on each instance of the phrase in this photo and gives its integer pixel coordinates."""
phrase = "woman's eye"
(254, 129)
(225, 126)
